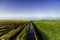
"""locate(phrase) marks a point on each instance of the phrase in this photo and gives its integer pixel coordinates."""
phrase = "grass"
(49, 28)
(23, 34)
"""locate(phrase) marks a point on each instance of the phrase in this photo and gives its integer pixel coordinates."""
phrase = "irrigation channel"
(33, 33)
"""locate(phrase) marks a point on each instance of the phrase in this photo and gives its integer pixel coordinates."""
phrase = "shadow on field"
(40, 34)
(14, 36)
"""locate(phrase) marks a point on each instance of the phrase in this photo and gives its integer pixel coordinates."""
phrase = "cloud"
(25, 16)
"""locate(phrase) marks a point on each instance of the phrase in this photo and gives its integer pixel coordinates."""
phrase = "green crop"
(50, 29)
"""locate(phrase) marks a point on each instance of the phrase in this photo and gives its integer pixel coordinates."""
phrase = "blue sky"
(29, 9)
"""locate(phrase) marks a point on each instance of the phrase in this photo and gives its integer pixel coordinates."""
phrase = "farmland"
(9, 29)
(30, 30)
(48, 30)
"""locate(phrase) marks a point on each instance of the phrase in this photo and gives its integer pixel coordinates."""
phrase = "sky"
(29, 9)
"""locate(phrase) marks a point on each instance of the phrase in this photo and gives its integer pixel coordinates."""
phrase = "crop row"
(8, 28)
(23, 35)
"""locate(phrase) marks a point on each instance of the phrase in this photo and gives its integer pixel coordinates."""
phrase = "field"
(48, 30)
(32, 30)
(10, 29)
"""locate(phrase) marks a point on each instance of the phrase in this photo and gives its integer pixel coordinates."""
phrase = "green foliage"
(23, 34)
(50, 28)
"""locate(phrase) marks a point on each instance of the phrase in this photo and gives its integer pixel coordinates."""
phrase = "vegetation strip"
(23, 34)
(11, 33)
(13, 37)
(38, 35)
(13, 28)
